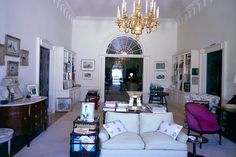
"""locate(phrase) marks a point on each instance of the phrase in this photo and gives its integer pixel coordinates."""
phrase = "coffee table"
(198, 140)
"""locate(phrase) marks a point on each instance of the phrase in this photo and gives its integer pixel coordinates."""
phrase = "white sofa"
(142, 138)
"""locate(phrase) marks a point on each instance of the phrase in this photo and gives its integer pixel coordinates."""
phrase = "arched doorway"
(123, 68)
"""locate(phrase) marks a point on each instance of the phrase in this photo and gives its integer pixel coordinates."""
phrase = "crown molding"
(65, 9)
(195, 7)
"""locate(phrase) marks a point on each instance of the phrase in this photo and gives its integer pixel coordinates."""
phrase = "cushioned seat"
(157, 140)
(125, 140)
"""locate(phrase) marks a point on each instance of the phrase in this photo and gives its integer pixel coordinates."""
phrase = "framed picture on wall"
(12, 45)
(88, 64)
(160, 75)
(160, 65)
(87, 75)
(12, 68)
(2, 55)
(24, 57)
(63, 104)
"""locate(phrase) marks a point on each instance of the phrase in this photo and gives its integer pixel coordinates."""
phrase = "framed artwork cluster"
(160, 70)
(12, 49)
(87, 66)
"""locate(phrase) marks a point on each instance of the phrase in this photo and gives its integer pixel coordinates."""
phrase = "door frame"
(46, 44)
(203, 66)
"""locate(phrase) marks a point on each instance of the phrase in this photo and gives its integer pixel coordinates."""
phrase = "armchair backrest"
(200, 118)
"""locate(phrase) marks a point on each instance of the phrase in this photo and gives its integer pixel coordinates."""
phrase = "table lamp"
(9, 83)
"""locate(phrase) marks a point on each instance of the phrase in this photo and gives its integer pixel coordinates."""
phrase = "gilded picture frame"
(24, 57)
(12, 46)
(2, 55)
(12, 68)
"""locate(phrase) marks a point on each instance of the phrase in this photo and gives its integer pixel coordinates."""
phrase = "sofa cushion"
(155, 119)
(157, 140)
(126, 141)
(130, 120)
(103, 135)
(114, 128)
(170, 129)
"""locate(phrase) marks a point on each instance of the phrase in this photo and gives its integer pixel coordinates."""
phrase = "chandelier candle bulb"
(146, 7)
(157, 15)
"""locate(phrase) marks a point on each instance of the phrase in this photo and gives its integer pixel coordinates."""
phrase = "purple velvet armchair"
(201, 120)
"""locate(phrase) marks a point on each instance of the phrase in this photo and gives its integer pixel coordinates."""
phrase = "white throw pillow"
(170, 129)
(114, 128)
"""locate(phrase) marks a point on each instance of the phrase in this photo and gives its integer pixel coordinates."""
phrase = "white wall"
(90, 38)
(28, 19)
(215, 23)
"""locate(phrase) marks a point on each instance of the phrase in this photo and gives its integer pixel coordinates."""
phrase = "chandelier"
(137, 22)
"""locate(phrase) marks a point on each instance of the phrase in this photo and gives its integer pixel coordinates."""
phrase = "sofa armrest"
(182, 137)
(103, 135)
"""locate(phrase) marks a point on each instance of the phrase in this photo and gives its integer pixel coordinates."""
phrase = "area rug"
(55, 142)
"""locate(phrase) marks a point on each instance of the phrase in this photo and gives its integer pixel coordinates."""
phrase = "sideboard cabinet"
(26, 117)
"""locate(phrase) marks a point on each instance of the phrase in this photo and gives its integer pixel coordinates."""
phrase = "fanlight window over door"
(124, 45)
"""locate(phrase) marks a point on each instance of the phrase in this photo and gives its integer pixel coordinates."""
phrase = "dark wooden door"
(214, 73)
(44, 72)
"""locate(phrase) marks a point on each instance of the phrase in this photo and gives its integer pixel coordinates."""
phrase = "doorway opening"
(126, 76)
(44, 71)
(214, 73)
(123, 68)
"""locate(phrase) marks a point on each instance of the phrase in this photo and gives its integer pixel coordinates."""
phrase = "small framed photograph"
(87, 111)
(17, 93)
(160, 75)
(12, 45)
(2, 55)
(24, 57)
(160, 65)
(63, 104)
(33, 90)
(88, 64)
(12, 68)
(87, 75)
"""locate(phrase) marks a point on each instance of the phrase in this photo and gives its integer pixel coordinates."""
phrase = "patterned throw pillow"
(170, 129)
(115, 128)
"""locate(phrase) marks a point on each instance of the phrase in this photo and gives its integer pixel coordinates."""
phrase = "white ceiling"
(108, 8)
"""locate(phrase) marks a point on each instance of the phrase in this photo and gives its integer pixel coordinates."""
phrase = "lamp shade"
(9, 82)
(235, 78)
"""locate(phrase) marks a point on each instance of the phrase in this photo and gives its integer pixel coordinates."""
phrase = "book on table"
(110, 106)
(156, 108)
(122, 107)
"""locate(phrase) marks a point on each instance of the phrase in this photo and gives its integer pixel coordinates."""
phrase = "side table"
(84, 138)
(6, 134)
(198, 140)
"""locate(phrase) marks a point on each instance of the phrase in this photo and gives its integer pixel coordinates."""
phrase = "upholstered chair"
(201, 120)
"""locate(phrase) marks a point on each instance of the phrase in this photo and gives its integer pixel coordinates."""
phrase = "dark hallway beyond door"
(214, 73)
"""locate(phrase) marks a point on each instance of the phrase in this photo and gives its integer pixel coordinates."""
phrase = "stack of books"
(110, 106)
(156, 108)
(122, 107)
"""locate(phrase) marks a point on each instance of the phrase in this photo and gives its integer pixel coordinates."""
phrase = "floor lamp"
(233, 100)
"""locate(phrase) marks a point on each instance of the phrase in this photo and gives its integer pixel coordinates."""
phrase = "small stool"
(6, 134)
